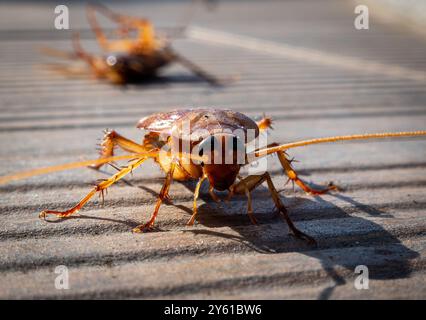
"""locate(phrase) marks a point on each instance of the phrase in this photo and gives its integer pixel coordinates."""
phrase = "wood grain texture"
(377, 220)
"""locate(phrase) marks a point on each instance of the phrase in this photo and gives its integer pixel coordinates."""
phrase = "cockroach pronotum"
(216, 149)
(127, 59)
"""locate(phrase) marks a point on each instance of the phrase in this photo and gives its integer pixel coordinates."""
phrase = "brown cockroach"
(127, 59)
(216, 150)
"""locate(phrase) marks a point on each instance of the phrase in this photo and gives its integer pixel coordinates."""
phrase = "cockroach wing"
(162, 122)
(207, 120)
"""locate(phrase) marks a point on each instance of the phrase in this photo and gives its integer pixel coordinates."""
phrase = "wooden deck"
(375, 81)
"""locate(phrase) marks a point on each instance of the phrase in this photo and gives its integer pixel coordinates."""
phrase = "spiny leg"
(112, 139)
(98, 66)
(98, 188)
(292, 175)
(78, 53)
(104, 43)
(144, 42)
(196, 194)
(252, 182)
(99, 34)
(146, 39)
(242, 185)
(146, 36)
(197, 70)
(213, 195)
(264, 123)
(162, 196)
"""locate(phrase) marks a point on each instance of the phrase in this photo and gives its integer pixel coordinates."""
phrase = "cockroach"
(201, 144)
(127, 59)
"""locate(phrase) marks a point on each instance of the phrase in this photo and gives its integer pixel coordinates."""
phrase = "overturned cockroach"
(201, 144)
(127, 59)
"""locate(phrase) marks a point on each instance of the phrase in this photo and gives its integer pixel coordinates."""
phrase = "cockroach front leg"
(196, 194)
(252, 182)
(162, 196)
(292, 175)
(243, 187)
(112, 139)
(98, 188)
(213, 195)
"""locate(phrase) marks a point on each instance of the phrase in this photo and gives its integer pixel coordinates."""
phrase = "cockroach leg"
(252, 182)
(162, 196)
(291, 173)
(98, 68)
(249, 202)
(196, 193)
(80, 53)
(100, 187)
(213, 195)
(99, 34)
(146, 34)
(59, 53)
(67, 70)
(197, 70)
(230, 194)
(264, 123)
(144, 27)
(112, 139)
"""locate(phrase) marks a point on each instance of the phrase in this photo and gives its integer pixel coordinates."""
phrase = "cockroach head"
(225, 153)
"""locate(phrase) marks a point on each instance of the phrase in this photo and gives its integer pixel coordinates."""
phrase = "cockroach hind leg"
(303, 236)
(58, 214)
(143, 228)
(212, 80)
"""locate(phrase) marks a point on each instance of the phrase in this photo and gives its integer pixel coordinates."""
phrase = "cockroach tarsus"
(222, 176)
(127, 59)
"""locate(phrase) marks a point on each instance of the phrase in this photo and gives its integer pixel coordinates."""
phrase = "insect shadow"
(336, 230)
(169, 80)
(345, 241)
